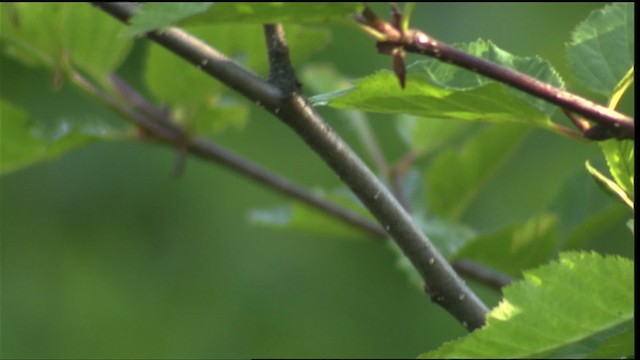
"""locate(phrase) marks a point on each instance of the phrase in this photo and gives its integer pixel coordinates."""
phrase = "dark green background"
(105, 254)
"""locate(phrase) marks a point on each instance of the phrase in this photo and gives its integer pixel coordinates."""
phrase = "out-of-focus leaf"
(39, 122)
(443, 91)
(286, 13)
(425, 135)
(631, 226)
(47, 33)
(192, 94)
(623, 85)
(22, 143)
(620, 159)
(584, 211)
(455, 177)
(214, 119)
(157, 15)
(515, 248)
(609, 186)
(577, 307)
(304, 218)
(594, 226)
(449, 237)
(321, 78)
(601, 50)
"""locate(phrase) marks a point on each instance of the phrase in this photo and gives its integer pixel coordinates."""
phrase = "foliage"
(462, 131)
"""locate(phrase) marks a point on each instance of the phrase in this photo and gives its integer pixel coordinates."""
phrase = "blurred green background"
(105, 254)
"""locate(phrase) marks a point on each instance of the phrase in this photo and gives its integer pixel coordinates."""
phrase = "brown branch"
(442, 283)
(393, 41)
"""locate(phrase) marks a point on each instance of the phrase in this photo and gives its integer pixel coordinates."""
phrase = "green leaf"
(301, 217)
(196, 98)
(286, 13)
(584, 211)
(630, 225)
(515, 248)
(580, 306)
(443, 91)
(47, 33)
(22, 143)
(455, 178)
(425, 135)
(39, 122)
(157, 15)
(319, 78)
(448, 236)
(601, 50)
(594, 226)
(620, 159)
(621, 88)
(609, 186)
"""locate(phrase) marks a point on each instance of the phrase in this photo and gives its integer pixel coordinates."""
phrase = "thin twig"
(441, 281)
(163, 128)
(392, 41)
(482, 273)
(213, 152)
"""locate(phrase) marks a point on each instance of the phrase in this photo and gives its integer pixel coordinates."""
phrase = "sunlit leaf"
(620, 159)
(578, 307)
(609, 186)
(443, 91)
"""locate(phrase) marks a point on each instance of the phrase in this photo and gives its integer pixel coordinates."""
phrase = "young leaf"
(620, 159)
(515, 248)
(621, 88)
(601, 50)
(609, 186)
(443, 91)
(580, 306)
(455, 178)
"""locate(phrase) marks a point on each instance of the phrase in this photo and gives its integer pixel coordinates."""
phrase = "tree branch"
(441, 281)
(154, 121)
(392, 39)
